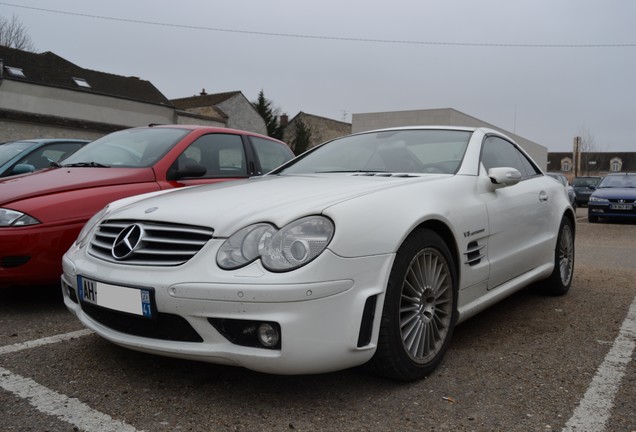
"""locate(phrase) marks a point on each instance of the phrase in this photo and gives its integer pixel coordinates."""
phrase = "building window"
(566, 165)
(16, 72)
(616, 165)
(82, 82)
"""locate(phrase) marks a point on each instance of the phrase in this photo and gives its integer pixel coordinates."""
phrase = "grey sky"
(545, 93)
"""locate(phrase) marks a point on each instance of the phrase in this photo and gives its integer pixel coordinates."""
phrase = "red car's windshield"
(130, 148)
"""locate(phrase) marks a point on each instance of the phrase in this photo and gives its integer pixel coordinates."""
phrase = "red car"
(42, 213)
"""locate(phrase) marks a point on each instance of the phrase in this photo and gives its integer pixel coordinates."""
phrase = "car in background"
(23, 156)
(613, 199)
(41, 213)
(583, 188)
(352, 253)
(569, 190)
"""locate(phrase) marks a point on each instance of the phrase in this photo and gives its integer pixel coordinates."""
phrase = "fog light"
(268, 335)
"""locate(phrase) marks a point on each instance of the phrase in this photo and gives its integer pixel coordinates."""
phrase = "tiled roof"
(50, 69)
(205, 100)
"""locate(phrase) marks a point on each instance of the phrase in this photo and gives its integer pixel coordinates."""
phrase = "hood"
(229, 206)
(616, 193)
(66, 179)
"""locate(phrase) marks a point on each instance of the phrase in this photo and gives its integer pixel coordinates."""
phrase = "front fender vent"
(160, 244)
(474, 253)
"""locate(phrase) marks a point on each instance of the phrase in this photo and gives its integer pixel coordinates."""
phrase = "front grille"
(161, 244)
(164, 326)
(621, 201)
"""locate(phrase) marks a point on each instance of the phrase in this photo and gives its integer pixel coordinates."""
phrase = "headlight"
(16, 218)
(288, 248)
(82, 238)
(598, 200)
(244, 246)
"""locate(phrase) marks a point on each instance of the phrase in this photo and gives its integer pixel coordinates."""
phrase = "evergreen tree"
(264, 107)
(302, 137)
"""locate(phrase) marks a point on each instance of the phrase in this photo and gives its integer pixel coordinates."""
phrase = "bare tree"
(13, 34)
(588, 146)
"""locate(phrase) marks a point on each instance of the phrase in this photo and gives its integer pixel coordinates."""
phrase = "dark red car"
(42, 213)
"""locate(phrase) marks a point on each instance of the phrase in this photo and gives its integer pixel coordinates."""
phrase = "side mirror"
(22, 169)
(504, 176)
(191, 170)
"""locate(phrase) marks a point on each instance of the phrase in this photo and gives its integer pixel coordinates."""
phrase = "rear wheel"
(561, 278)
(420, 309)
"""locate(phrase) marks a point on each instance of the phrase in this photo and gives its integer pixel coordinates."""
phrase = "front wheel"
(561, 278)
(420, 309)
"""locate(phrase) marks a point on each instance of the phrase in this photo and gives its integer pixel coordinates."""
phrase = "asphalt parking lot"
(530, 363)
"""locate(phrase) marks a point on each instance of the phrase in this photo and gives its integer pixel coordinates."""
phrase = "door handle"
(543, 196)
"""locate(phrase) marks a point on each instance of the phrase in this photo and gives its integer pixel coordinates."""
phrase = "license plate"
(136, 301)
(621, 206)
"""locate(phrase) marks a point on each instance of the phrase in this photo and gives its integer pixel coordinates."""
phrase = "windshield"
(619, 181)
(11, 149)
(584, 182)
(401, 151)
(130, 148)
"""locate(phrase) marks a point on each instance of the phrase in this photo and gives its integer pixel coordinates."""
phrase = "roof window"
(16, 72)
(81, 82)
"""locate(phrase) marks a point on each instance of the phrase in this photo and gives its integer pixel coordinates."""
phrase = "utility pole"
(576, 156)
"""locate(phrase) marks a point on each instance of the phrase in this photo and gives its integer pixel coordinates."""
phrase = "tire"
(420, 309)
(561, 278)
(592, 219)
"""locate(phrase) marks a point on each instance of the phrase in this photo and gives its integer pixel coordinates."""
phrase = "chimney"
(283, 120)
(203, 93)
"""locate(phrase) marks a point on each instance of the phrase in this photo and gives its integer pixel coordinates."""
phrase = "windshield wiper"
(86, 164)
(348, 171)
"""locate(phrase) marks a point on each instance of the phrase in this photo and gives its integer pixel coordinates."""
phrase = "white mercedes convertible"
(366, 250)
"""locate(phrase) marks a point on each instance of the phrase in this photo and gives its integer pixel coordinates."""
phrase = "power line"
(330, 38)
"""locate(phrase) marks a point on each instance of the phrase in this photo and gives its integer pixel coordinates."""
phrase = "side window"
(270, 154)
(497, 152)
(222, 155)
(42, 157)
(60, 151)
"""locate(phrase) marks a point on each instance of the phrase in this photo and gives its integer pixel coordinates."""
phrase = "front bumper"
(32, 255)
(606, 211)
(320, 309)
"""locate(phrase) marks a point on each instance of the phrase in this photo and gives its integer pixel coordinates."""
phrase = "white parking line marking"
(70, 410)
(44, 341)
(595, 408)
(50, 402)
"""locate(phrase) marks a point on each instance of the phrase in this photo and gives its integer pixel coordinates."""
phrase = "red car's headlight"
(12, 218)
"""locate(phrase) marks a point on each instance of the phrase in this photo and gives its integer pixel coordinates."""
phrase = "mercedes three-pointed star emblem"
(127, 242)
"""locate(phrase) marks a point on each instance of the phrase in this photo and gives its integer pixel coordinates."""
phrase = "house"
(44, 95)
(322, 129)
(591, 163)
(231, 108)
(441, 117)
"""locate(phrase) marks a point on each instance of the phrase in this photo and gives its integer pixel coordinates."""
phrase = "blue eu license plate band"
(136, 301)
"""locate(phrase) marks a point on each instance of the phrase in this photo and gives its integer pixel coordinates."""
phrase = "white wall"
(79, 105)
